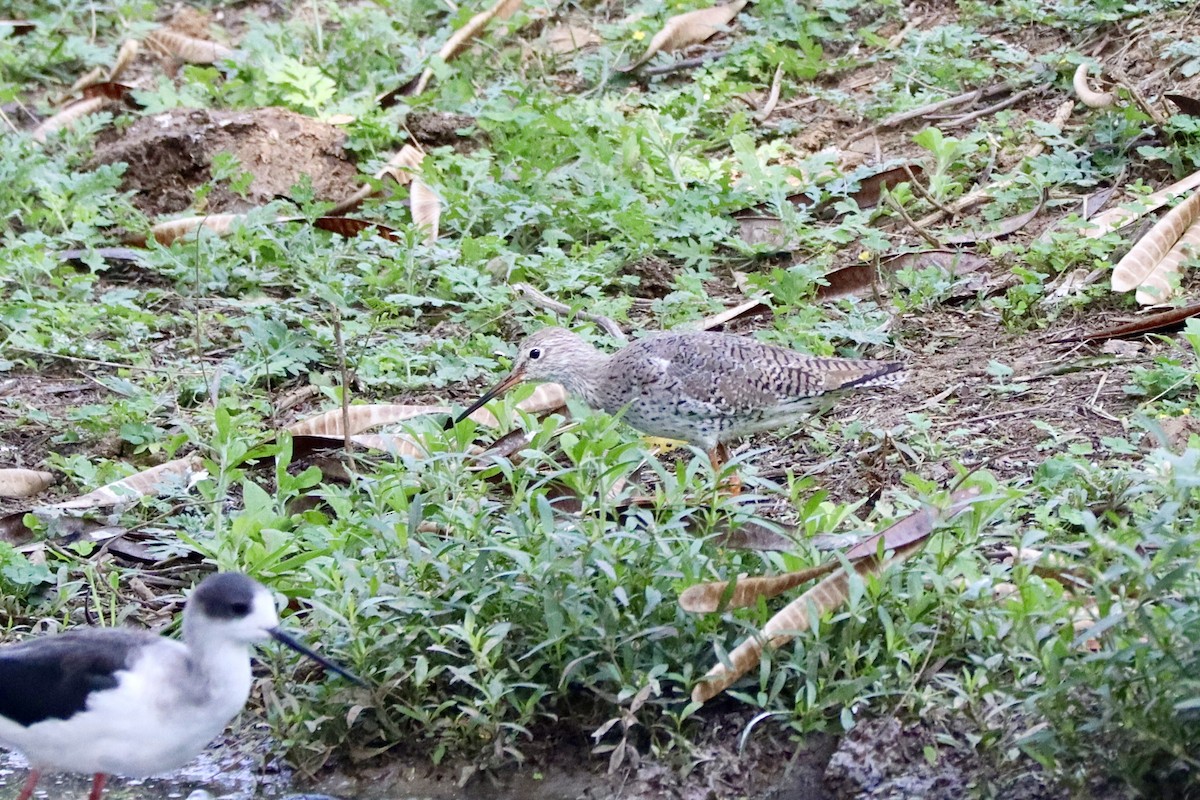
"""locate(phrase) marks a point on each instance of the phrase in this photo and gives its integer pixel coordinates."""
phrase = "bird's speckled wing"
(52, 676)
(721, 375)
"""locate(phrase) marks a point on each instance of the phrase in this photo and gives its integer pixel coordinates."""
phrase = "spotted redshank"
(120, 701)
(702, 387)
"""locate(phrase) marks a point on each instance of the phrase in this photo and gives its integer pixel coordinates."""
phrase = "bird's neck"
(220, 666)
(586, 377)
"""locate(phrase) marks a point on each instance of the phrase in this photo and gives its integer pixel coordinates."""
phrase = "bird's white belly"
(137, 729)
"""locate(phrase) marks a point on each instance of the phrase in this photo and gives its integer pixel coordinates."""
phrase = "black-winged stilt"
(126, 702)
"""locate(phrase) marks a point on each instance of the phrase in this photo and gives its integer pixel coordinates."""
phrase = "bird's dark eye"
(535, 354)
(240, 609)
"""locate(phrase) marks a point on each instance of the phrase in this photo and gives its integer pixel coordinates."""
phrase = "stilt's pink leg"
(30, 785)
(97, 785)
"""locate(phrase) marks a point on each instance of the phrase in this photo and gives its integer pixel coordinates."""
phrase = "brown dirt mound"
(170, 155)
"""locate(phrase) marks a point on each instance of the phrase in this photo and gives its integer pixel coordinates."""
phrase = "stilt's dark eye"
(535, 354)
(240, 609)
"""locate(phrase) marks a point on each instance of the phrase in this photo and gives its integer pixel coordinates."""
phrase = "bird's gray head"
(232, 606)
(551, 354)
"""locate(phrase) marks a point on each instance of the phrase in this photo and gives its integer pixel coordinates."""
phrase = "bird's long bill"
(500, 388)
(283, 638)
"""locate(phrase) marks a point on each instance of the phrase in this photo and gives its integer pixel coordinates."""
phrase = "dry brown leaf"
(364, 417)
(1151, 324)
(996, 230)
(564, 39)
(684, 30)
(705, 598)
(792, 619)
(400, 168)
(1160, 286)
(859, 279)
(1088, 96)
(426, 208)
(23, 482)
(166, 232)
(916, 527)
(1145, 267)
(146, 482)
(461, 39)
(903, 538)
(20, 27)
(351, 227)
(187, 48)
(1117, 218)
(69, 116)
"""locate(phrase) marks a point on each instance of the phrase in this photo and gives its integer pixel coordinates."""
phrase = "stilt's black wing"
(52, 677)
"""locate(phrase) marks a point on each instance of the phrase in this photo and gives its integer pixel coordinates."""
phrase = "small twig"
(898, 38)
(986, 192)
(550, 304)
(344, 377)
(803, 101)
(925, 194)
(992, 109)
(773, 96)
(924, 234)
(1122, 79)
(98, 362)
(687, 63)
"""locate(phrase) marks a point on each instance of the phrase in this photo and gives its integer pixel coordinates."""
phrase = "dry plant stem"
(925, 195)
(550, 304)
(930, 108)
(687, 63)
(985, 192)
(773, 97)
(343, 376)
(920, 231)
(1124, 80)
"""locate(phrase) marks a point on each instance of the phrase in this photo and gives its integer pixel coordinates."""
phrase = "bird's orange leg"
(717, 457)
(30, 784)
(98, 781)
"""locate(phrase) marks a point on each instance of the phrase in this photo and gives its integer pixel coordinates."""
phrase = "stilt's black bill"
(497, 390)
(285, 639)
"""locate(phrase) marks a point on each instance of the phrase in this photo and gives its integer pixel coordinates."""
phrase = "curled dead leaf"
(1088, 96)
(705, 598)
(23, 482)
(166, 232)
(69, 116)
(461, 39)
(1117, 218)
(794, 618)
(125, 57)
(350, 227)
(684, 30)
(426, 209)
(187, 48)
(1146, 266)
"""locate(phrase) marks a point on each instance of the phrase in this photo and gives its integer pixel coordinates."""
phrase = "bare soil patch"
(170, 155)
